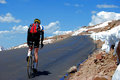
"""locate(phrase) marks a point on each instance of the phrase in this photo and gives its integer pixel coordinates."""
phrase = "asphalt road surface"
(54, 59)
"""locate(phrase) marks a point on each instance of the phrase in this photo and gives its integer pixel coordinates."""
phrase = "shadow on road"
(42, 73)
(39, 73)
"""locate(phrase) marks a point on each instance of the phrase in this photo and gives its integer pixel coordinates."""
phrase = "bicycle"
(30, 66)
(30, 63)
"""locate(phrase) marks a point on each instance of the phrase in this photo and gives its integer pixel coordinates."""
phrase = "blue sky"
(55, 15)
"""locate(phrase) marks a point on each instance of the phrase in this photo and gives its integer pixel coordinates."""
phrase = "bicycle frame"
(30, 64)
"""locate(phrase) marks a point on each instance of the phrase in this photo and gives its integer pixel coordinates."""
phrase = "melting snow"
(1, 48)
(48, 41)
(111, 37)
(101, 25)
(75, 33)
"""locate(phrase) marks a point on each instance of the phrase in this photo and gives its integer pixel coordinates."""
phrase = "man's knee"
(36, 50)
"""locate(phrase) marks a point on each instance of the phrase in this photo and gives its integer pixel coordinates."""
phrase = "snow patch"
(101, 25)
(110, 37)
(75, 33)
(1, 48)
(62, 32)
(48, 41)
(20, 46)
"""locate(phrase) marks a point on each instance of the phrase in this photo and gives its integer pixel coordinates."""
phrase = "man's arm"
(42, 36)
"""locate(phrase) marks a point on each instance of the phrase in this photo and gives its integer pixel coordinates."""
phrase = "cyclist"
(33, 39)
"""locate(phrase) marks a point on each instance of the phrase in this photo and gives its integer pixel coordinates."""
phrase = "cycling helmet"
(37, 20)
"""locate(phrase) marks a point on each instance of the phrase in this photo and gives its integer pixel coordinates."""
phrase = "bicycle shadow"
(39, 73)
(42, 73)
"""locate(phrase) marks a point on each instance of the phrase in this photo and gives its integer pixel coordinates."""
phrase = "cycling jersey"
(34, 39)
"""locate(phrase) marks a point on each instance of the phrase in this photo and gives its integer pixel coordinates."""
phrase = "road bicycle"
(30, 64)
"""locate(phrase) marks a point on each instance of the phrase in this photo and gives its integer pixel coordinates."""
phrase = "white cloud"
(106, 6)
(2, 32)
(19, 29)
(17, 35)
(103, 16)
(8, 18)
(16, 29)
(93, 12)
(52, 27)
(49, 29)
(61, 32)
(3, 1)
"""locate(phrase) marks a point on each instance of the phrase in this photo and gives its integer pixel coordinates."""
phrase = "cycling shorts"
(33, 40)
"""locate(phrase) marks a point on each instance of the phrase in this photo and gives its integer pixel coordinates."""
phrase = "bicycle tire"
(29, 67)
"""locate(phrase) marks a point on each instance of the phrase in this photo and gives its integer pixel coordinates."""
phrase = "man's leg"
(36, 58)
(30, 44)
(36, 54)
(29, 51)
(36, 48)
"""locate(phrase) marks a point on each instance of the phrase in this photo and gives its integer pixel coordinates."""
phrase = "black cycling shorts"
(33, 40)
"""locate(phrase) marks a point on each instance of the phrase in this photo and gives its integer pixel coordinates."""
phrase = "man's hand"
(42, 44)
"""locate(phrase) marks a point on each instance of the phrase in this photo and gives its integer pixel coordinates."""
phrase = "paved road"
(54, 59)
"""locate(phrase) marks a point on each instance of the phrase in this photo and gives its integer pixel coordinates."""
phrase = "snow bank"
(101, 25)
(116, 75)
(48, 41)
(75, 33)
(62, 32)
(110, 37)
(21, 46)
(85, 29)
(1, 48)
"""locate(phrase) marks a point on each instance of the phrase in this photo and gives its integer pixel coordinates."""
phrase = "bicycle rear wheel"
(29, 67)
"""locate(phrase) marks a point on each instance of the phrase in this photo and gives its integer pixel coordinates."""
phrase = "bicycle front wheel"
(29, 67)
